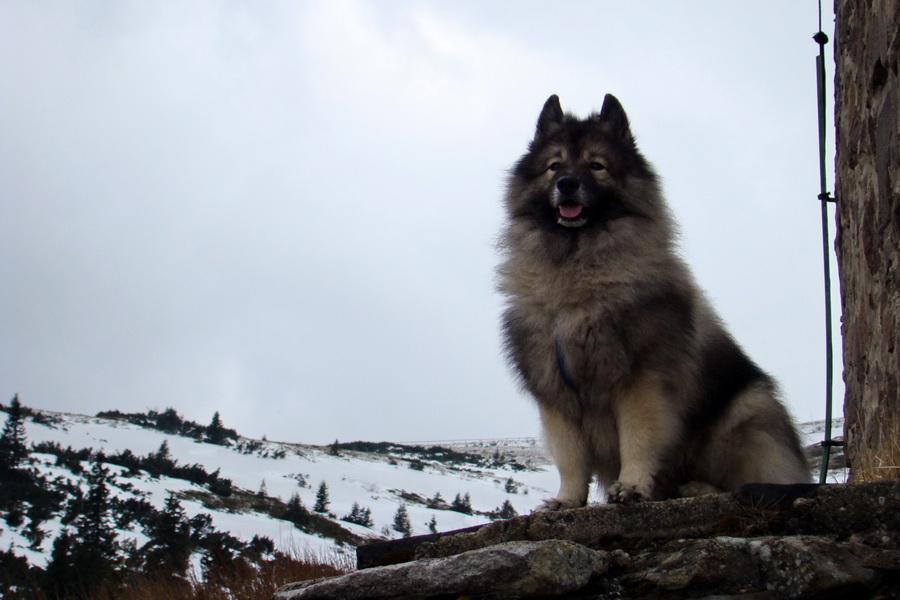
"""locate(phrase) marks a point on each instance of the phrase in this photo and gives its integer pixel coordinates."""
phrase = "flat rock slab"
(391, 552)
(514, 570)
(599, 527)
(757, 509)
(590, 526)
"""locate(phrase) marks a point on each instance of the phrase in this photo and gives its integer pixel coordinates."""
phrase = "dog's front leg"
(649, 426)
(570, 453)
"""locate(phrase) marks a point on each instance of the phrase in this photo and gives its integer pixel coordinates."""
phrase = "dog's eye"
(595, 166)
(554, 166)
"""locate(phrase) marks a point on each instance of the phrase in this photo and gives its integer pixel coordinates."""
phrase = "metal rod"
(821, 39)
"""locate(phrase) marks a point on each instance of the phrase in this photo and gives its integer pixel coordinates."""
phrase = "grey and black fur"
(636, 379)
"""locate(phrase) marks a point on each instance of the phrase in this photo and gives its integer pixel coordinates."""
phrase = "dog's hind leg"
(753, 442)
(572, 456)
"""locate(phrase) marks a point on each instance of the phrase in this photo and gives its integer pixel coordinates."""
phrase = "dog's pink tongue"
(570, 211)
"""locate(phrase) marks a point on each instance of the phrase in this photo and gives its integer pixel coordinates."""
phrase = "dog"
(636, 379)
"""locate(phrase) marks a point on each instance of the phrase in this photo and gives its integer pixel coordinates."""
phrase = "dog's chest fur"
(564, 331)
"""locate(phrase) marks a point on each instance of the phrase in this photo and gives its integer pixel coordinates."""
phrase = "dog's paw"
(555, 504)
(697, 488)
(627, 493)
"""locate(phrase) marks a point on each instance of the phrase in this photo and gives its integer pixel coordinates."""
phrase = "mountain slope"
(381, 481)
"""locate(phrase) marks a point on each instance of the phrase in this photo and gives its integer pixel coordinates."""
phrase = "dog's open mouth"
(570, 215)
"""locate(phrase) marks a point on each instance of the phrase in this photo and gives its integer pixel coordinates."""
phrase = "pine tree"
(218, 485)
(169, 549)
(437, 501)
(215, 432)
(462, 504)
(95, 526)
(261, 545)
(432, 525)
(13, 448)
(353, 517)
(295, 512)
(61, 580)
(359, 515)
(334, 449)
(401, 522)
(506, 511)
(94, 552)
(169, 421)
(263, 490)
(164, 454)
(16, 575)
(160, 462)
(322, 500)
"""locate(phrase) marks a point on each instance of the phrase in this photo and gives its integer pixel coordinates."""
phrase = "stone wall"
(867, 45)
(767, 542)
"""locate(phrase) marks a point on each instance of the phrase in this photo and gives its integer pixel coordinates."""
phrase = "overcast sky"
(286, 211)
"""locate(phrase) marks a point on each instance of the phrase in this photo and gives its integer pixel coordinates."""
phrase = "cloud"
(289, 209)
(417, 67)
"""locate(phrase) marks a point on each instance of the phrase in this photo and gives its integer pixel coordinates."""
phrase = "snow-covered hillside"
(382, 478)
(381, 482)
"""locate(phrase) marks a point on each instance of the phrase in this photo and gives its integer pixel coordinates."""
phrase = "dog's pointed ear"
(551, 117)
(613, 118)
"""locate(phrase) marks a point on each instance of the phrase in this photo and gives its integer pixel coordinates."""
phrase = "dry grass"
(236, 581)
(883, 461)
(751, 521)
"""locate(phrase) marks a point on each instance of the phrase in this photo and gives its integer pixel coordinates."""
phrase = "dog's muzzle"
(569, 209)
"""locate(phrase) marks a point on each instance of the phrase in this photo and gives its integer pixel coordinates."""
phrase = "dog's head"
(581, 173)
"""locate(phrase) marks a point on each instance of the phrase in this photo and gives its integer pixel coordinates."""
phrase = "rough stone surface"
(785, 566)
(723, 564)
(512, 570)
(867, 189)
(848, 509)
(615, 526)
(766, 542)
(806, 566)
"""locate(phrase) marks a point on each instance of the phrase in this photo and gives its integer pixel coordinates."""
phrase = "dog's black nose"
(568, 185)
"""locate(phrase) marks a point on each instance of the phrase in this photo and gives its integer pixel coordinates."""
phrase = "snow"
(374, 481)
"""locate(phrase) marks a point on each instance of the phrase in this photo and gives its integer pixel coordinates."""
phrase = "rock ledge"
(836, 541)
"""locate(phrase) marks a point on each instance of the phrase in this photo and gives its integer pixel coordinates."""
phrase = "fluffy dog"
(636, 379)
